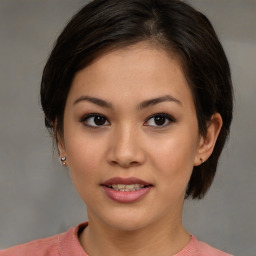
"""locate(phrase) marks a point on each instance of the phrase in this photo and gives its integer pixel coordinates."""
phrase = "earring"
(63, 160)
(201, 159)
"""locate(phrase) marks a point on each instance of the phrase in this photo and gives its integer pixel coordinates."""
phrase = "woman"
(138, 97)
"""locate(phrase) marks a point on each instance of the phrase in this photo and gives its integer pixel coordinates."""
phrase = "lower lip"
(126, 196)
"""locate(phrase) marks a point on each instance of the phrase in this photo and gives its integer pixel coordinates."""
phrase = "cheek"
(174, 168)
(173, 159)
(174, 154)
(84, 166)
(84, 157)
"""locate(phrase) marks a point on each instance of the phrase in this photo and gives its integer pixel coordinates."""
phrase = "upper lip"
(125, 181)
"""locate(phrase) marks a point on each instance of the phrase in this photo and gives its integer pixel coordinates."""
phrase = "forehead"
(137, 70)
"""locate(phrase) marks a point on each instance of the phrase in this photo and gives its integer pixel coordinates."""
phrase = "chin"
(128, 221)
(127, 226)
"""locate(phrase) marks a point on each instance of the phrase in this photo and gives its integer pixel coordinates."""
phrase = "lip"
(126, 196)
(125, 181)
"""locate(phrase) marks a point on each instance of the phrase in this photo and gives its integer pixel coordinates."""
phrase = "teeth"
(126, 188)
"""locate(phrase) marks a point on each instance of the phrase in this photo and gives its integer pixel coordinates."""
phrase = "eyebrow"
(97, 101)
(158, 100)
(142, 105)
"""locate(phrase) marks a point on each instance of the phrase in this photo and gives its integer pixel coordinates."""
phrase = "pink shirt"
(67, 244)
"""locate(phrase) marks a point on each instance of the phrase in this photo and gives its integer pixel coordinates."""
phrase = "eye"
(95, 120)
(159, 120)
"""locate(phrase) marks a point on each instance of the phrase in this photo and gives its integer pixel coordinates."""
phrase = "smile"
(126, 188)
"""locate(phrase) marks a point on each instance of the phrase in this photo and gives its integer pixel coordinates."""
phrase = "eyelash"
(85, 118)
(165, 116)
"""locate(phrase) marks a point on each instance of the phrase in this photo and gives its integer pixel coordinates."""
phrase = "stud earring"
(63, 160)
(201, 159)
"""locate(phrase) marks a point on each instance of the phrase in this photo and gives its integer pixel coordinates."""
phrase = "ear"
(61, 145)
(61, 150)
(206, 143)
(60, 142)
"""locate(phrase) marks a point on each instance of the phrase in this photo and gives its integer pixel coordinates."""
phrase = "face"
(130, 120)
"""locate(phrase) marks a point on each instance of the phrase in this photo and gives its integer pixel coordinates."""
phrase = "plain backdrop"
(37, 198)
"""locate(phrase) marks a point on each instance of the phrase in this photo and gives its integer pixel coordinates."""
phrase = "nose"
(126, 149)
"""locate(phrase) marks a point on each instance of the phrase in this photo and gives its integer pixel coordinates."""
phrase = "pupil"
(159, 120)
(99, 120)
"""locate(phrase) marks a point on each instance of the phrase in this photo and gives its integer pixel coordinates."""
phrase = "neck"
(166, 238)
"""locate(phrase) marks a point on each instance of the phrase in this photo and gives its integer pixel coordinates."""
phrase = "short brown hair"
(104, 25)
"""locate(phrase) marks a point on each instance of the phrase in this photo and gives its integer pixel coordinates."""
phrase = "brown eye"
(159, 120)
(95, 120)
(99, 120)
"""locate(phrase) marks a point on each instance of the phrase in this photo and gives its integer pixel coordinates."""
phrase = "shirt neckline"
(69, 245)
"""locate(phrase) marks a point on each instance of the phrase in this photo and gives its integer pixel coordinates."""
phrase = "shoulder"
(199, 248)
(208, 250)
(46, 246)
(64, 244)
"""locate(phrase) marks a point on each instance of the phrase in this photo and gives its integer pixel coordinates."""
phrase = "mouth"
(125, 184)
(126, 190)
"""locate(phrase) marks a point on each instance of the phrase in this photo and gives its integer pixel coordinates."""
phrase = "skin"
(131, 144)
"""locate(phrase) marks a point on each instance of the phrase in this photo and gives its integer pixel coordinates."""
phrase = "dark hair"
(105, 25)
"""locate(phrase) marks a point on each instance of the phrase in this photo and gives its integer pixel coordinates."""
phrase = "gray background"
(37, 198)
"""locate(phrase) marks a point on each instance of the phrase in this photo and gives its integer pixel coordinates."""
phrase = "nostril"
(114, 162)
(125, 155)
(125, 163)
(134, 163)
